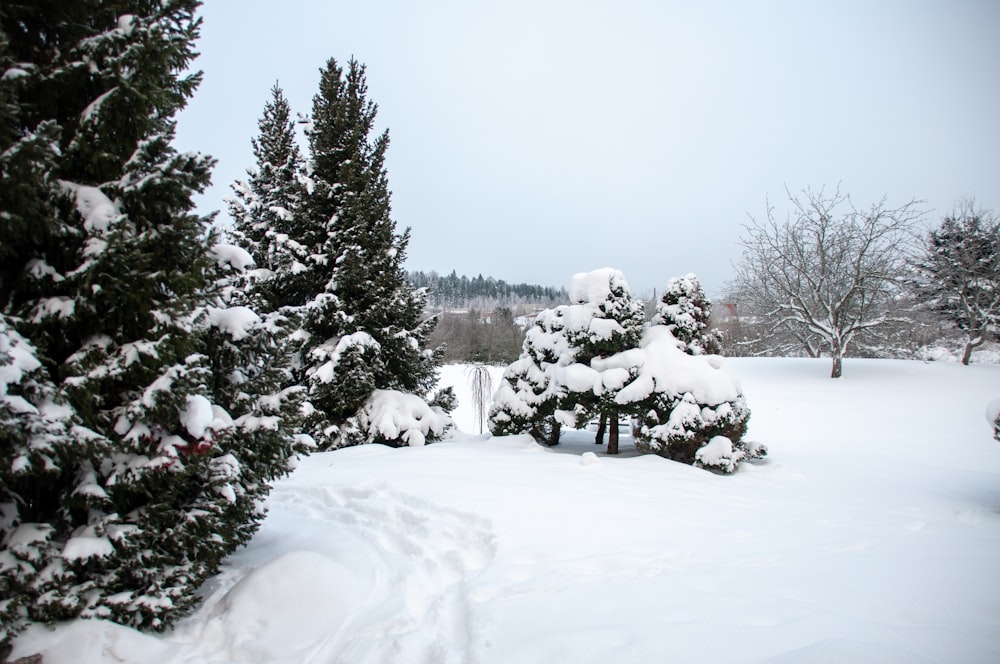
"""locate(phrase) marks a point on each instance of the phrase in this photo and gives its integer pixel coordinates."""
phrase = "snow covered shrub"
(553, 384)
(398, 419)
(592, 358)
(683, 402)
(686, 311)
(993, 417)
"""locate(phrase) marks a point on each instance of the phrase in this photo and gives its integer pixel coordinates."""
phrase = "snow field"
(869, 534)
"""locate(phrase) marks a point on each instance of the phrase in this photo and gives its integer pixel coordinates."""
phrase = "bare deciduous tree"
(829, 272)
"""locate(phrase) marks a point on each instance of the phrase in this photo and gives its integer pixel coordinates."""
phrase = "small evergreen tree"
(959, 273)
(605, 320)
(529, 395)
(687, 312)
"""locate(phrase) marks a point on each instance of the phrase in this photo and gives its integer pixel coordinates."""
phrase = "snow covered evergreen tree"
(528, 396)
(362, 317)
(603, 320)
(690, 408)
(553, 383)
(124, 483)
(687, 312)
(264, 213)
(594, 356)
(959, 273)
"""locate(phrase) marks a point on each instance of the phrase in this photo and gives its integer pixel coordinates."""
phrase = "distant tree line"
(479, 337)
(461, 291)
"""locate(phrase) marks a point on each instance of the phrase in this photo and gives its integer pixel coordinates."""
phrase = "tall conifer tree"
(364, 320)
(266, 209)
(122, 482)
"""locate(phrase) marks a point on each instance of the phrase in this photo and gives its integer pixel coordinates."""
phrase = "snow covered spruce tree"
(687, 312)
(958, 273)
(603, 320)
(254, 327)
(123, 483)
(364, 360)
(264, 213)
(528, 396)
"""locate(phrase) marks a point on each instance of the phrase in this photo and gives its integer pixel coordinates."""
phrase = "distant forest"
(483, 292)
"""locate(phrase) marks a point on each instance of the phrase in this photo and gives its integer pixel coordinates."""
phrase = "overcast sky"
(534, 140)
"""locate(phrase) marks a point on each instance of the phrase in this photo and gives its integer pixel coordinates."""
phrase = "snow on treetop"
(596, 286)
(682, 285)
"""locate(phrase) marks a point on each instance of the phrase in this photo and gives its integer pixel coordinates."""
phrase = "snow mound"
(197, 415)
(664, 367)
(719, 453)
(289, 604)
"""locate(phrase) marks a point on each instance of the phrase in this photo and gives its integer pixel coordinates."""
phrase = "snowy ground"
(870, 534)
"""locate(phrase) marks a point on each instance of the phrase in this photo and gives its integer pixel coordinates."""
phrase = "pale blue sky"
(534, 140)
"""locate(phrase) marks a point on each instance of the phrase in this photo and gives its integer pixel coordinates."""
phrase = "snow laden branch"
(829, 272)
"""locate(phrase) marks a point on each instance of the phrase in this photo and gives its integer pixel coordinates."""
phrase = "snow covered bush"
(993, 416)
(683, 402)
(603, 319)
(398, 419)
(552, 384)
(592, 358)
